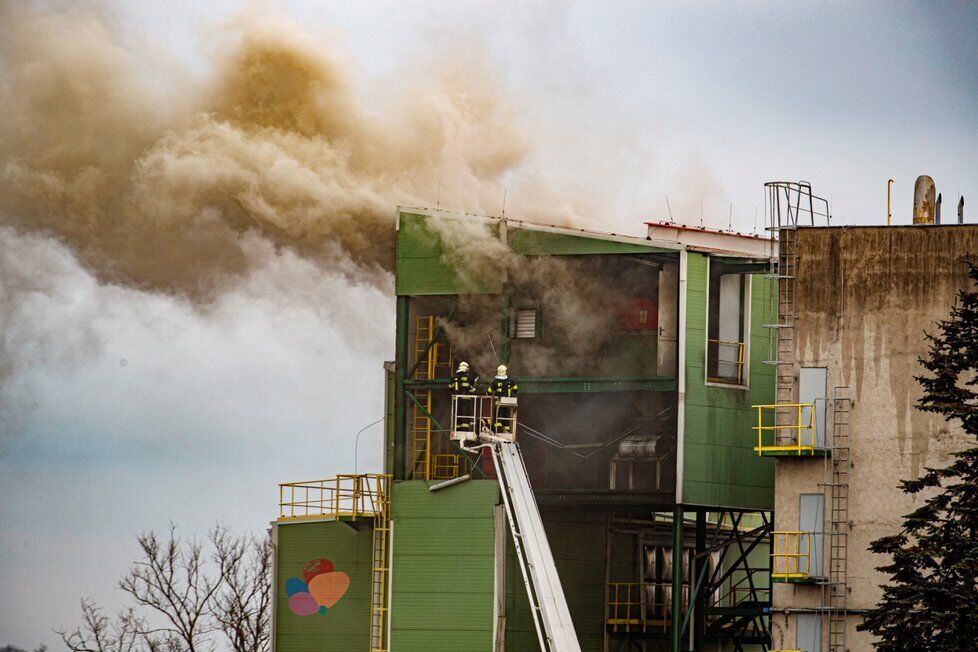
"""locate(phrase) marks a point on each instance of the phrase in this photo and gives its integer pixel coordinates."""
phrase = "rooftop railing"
(343, 496)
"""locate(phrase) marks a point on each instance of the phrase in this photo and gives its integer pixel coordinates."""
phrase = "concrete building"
(854, 317)
(638, 360)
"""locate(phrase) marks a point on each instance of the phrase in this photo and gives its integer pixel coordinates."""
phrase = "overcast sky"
(152, 411)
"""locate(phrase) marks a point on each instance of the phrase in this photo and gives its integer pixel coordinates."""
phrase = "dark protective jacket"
(463, 382)
(502, 387)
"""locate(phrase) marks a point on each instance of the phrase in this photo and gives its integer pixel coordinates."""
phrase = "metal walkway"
(552, 618)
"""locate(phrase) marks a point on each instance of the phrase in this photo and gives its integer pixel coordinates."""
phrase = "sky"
(126, 408)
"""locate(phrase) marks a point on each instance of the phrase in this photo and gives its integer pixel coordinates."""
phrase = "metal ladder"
(380, 569)
(784, 206)
(551, 617)
(835, 591)
(790, 203)
(430, 357)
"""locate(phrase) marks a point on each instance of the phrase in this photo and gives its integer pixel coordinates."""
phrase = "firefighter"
(463, 384)
(502, 386)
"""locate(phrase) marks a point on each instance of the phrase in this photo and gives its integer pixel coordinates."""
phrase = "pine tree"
(931, 601)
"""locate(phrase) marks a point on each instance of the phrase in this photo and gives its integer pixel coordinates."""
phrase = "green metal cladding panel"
(422, 267)
(444, 566)
(532, 242)
(577, 540)
(720, 466)
(346, 625)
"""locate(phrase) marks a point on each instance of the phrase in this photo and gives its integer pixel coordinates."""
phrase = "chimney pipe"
(923, 200)
(961, 210)
(937, 219)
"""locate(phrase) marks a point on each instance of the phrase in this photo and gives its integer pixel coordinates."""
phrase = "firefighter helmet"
(463, 366)
(501, 370)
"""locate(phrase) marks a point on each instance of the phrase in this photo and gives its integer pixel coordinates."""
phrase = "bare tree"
(99, 633)
(242, 605)
(172, 580)
(184, 594)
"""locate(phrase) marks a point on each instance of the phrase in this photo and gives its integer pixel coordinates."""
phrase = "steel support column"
(676, 633)
(702, 561)
(400, 403)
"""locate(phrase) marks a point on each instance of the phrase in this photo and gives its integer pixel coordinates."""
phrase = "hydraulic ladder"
(551, 617)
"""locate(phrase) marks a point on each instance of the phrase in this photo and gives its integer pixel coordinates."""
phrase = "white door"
(811, 516)
(809, 635)
(812, 387)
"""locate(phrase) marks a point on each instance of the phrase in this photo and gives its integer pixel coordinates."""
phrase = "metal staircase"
(380, 566)
(555, 629)
(835, 591)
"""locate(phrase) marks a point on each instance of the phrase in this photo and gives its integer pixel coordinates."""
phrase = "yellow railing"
(445, 466)
(625, 609)
(792, 442)
(345, 496)
(791, 555)
(738, 379)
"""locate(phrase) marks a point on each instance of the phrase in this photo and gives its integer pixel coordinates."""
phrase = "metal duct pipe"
(889, 213)
(924, 201)
(449, 483)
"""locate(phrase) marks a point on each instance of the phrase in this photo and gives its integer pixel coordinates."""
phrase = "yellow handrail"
(795, 429)
(739, 362)
(345, 495)
(627, 613)
(789, 558)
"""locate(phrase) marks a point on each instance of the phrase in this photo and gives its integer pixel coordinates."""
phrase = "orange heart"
(328, 588)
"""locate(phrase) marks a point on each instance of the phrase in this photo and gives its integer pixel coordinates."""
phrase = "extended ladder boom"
(550, 613)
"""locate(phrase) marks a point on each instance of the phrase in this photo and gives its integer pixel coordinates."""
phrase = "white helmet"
(463, 366)
(501, 370)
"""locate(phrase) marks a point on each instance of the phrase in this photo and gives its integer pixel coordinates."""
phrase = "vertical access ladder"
(429, 357)
(787, 201)
(835, 591)
(555, 629)
(380, 566)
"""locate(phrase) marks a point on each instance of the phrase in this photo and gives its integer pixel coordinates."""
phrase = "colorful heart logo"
(323, 587)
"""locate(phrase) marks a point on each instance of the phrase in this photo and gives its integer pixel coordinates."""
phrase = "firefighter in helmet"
(463, 384)
(502, 387)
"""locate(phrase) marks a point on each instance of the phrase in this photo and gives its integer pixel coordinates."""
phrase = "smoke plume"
(155, 180)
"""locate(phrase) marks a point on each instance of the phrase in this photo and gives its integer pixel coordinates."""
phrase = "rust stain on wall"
(865, 298)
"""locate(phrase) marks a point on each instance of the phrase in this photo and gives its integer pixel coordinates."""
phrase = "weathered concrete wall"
(865, 298)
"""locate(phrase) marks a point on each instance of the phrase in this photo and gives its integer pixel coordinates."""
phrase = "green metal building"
(639, 360)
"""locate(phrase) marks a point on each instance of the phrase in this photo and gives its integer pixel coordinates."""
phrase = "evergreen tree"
(931, 601)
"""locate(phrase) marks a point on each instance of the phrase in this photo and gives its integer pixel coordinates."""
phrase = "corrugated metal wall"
(443, 567)
(577, 539)
(720, 466)
(346, 625)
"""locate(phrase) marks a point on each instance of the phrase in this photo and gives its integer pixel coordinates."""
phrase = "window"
(726, 347)
(525, 323)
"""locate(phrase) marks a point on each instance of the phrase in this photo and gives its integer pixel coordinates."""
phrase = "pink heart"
(328, 588)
